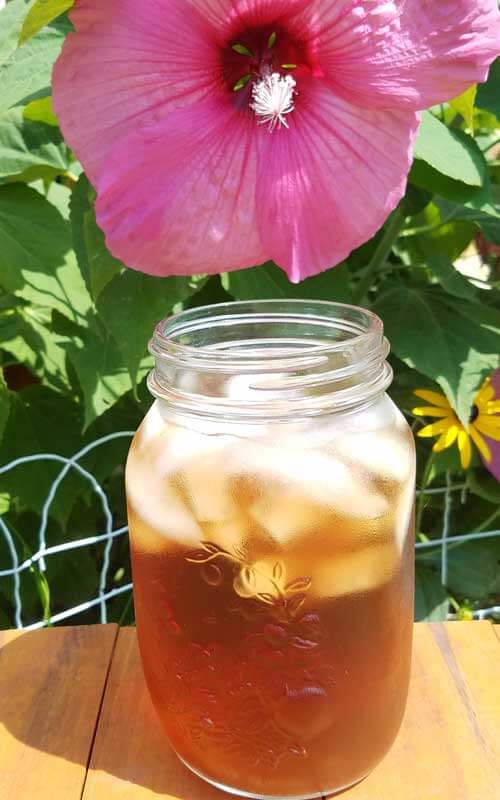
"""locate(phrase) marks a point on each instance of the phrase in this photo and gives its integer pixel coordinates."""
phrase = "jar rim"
(295, 357)
(200, 318)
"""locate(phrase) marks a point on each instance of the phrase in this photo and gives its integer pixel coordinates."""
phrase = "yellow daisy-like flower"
(484, 421)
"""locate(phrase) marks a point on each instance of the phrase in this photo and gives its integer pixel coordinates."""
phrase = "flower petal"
(327, 183)
(226, 16)
(405, 53)
(493, 407)
(485, 394)
(431, 411)
(465, 449)
(436, 398)
(480, 443)
(127, 63)
(446, 439)
(435, 429)
(493, 420)
(178, 197)
(491, 431)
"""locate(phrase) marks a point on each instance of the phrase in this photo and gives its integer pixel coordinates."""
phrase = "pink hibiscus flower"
(223, 133)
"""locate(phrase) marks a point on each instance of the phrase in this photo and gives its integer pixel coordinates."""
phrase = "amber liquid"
(277, 669)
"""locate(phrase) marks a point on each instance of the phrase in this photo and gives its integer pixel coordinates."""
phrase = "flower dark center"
(473, 414)
(254, 52)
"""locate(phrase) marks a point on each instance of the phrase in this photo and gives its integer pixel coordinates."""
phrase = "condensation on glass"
(270, 494)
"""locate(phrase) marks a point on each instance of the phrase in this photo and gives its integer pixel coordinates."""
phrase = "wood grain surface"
(51, 685)
(51, 689)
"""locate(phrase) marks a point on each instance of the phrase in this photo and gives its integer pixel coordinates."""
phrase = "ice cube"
(299, 489)
(152, 426)
(355, 572)
(154, 500)
(206, 485)
(403, 516)
(231, 535)
(384, 454)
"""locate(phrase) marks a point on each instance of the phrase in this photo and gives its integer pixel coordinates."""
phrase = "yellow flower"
(484, 421)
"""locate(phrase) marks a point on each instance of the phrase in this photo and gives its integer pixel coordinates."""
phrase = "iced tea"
(273, 593)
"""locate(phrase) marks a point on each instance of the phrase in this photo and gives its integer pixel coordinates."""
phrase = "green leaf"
(483, 212)
(431, 599)
(488, 94)
(433, 234)
(450, 278)
(26, 74)
(100, 369)
(4, 404)
(41, 111)
(34, 344)
(11, 23)
(29, 149)
(464, 105)
(452, 341)
(269, 282)
(416, 200)
(40, 421)
(144, 301)
(484, 485)
(450, 152)
(36, 261)
(471, 569)
(41, 13)
(96, 263)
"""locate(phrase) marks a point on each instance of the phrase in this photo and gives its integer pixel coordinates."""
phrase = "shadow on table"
(50, 693)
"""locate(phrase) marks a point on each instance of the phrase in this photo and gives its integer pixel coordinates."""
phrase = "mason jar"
(270, 498)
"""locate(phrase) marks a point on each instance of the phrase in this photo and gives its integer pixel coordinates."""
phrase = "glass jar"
(270, 495)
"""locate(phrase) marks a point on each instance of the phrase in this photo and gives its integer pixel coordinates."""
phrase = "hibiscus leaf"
(450, 278)
(140, 301)
(11, 23)
(41, 111)
(96, 263)
(41, 421)
(471, 569)
(464, 105)
(488, 94)
(431, 600)
(454, 342)
(268, 282)
(4, 404)
(29, 150)
(99, 366)
(483, 210)
(36, 260)
(40, 14)
(451, 153)
(26, 73)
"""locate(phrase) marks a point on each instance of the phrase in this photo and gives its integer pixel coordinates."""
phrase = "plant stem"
(421, 497)
(491, 146)
(487, 522)
(391, 233)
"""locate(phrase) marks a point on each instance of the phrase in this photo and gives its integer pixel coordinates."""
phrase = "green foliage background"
(72, 366)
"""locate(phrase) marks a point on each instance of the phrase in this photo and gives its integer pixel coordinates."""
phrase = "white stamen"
(272, 99)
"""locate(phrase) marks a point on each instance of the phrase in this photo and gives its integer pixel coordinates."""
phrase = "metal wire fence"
(38, 559)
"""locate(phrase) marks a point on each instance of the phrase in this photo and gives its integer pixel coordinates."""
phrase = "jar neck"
(270, 359)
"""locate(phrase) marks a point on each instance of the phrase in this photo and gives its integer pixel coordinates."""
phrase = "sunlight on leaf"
(40, 14)
(41, 111)
(464, 105)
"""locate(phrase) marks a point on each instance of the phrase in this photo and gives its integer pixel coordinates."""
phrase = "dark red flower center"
(254, 51)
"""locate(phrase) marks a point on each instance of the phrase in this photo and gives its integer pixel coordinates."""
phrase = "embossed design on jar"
(261, 581)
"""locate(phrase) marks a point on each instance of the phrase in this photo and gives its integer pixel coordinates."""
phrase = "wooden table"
(76, 722)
